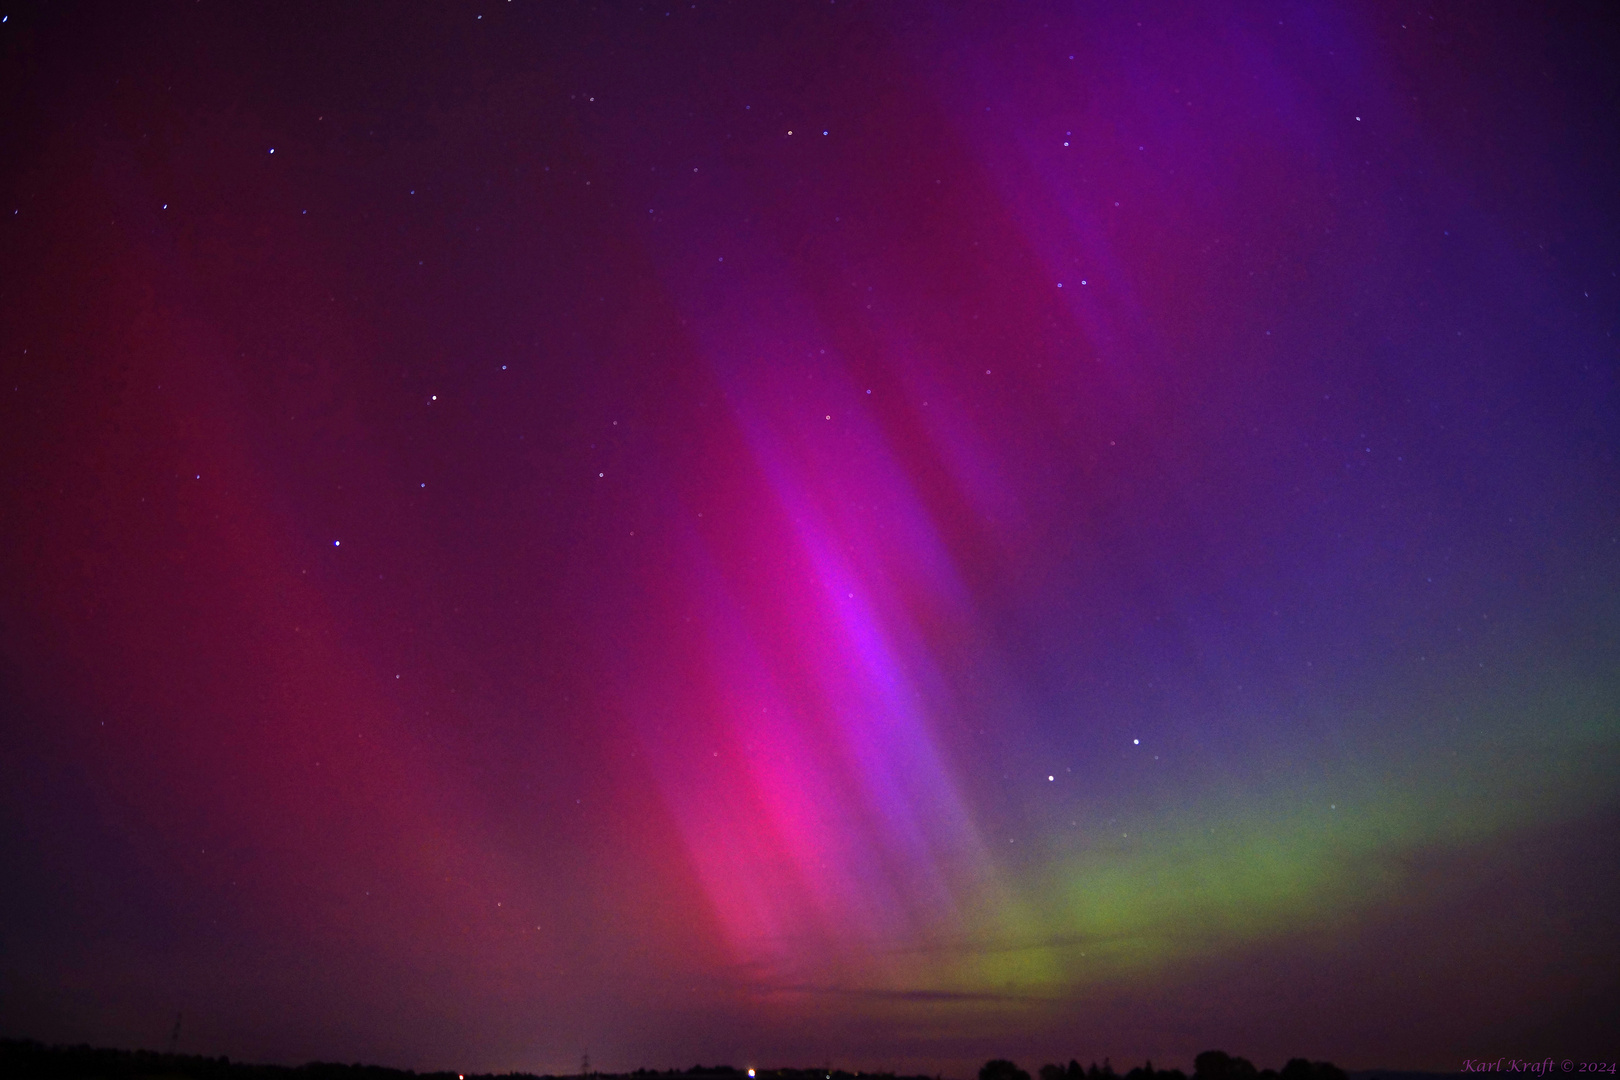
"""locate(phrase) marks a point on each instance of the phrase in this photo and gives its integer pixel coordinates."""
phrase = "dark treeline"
(22, 1059)
(1210, 1065)
(29, 1060)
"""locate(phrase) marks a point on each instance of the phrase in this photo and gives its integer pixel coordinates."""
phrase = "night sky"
(881, 534)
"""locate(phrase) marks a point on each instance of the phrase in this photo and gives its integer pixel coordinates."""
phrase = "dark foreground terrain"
(23, 1059)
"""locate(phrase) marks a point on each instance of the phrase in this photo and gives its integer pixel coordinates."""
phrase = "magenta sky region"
(837, 827)
(879, 534)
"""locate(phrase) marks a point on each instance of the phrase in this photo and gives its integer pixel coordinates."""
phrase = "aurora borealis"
(878, 534)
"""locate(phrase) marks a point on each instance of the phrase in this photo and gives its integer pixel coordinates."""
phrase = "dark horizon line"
(15, 1051)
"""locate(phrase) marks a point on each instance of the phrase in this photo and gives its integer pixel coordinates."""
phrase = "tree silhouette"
(1002, 1069)
(1219, 1065)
